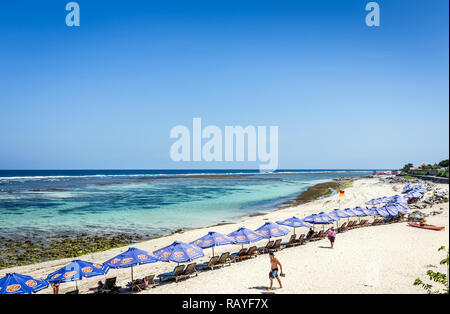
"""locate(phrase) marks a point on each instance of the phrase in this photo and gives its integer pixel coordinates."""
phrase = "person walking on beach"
(332, 236)
(274, 262)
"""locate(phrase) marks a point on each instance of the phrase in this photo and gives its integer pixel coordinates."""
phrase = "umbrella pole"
(131, 274)
(213, 250)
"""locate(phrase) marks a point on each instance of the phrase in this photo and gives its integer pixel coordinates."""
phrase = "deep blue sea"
(149, 202)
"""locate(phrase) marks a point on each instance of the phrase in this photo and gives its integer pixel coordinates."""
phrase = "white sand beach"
(388, 257)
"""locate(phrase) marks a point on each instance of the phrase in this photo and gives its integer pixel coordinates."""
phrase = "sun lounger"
(224, 259)
(235, 256)
(190, 270)
(364, 223)
(252, 252)
(342, 228)
(266, 248)
(317, 236)
(142, 284)
(301, 240)
(109, 286)
(173, 275)
(276, 246)
(323, 234)
(213, 262)
(291, 242)
(351, 225)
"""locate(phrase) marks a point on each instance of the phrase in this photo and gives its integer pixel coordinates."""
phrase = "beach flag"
(341, 193)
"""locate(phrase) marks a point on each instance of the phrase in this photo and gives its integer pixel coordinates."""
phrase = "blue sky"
(107, 93)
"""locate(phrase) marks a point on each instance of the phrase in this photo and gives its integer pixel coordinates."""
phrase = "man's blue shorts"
(273, 273)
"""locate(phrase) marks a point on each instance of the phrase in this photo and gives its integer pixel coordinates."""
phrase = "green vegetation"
(17, 252)
(437, 277)
(443, 173)
(410, 178)
(406, 168)
(320, 190)
(424, 169)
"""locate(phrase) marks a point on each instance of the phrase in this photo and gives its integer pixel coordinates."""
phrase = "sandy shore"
(391, 256)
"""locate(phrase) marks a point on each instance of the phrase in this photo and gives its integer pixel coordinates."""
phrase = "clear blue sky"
(106, 94)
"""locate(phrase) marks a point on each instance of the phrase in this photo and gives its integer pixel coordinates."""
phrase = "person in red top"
(332, 236)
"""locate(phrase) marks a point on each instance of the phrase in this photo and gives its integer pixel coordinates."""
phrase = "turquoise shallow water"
(147, 202)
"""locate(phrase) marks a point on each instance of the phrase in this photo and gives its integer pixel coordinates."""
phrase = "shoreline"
(87, 244)
(362, 190)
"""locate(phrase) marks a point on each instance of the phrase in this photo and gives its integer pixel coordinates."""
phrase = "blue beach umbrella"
(361, 212)
(401, 208)
(130, 258)
(384, 199)
(351, 213)
(319, 219)
(374, 201)
(271, 230)
(213, 239)
(294, 222)
(379, 211)
(179, 252)
(245, 236)
(76, 270)
(14, 283)
(392, 210)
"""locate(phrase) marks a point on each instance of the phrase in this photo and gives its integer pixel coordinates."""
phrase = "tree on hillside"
(444, 163)
(407, 167)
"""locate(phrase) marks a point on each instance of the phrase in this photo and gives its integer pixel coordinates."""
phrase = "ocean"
(44, 203)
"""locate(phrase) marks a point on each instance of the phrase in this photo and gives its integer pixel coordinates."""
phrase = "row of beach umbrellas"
(180, 252)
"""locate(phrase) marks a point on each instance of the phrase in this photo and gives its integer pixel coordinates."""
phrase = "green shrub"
(437, 277)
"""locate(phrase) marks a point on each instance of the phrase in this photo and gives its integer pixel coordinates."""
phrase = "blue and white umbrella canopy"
(414, 195)
(131, 257)
(213, 239)
(14, 283)
(245, 236)
(271, 230)
(179, 252)
(398, 199)
(375, 211)
(339, 213)
(294, 222)
(361, 212)
(408, 187)
(392, 210)
(374, 201)
(384, 199)
(399, 207)
(355, 212)
(319, 219)
(77, 270)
